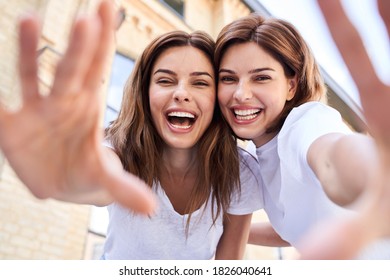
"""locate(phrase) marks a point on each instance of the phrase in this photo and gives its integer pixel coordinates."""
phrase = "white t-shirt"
(294, 199)
(163, 235)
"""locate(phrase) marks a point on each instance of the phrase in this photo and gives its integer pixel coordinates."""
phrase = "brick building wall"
(37, 229)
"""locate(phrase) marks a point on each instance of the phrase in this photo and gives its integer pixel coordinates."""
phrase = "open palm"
(54, 142)
(343, 239)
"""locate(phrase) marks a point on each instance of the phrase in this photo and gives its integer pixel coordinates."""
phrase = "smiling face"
(182, 96)
(252, 91)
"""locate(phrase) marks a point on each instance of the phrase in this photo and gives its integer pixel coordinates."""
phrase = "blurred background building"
(48, 229)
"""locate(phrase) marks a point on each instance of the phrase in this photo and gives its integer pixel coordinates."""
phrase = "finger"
(384, 11)
(28, 67)
(72, 68)
(131, 192)
(350, 45)
(94, 78)
(3, 116)
(377, 205)
(340, 239)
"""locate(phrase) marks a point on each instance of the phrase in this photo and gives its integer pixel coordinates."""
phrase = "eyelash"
(195, 83)
(201, 83)
(163, 81)
(261, 78)
(228, 79)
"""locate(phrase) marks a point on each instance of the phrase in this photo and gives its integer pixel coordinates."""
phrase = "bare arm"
(54, 142)
(345, 237)
(344, 165)
(232, 244)
(263, 234)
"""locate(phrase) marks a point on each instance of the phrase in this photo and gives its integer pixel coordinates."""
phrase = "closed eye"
(201, 83)
(261, 78)
(227, 79)
(164, 81)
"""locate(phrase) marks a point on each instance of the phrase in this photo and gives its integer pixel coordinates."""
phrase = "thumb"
(340, 239)
(131, 192)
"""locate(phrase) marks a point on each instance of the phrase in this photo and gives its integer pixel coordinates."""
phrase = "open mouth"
(245, 115)
(181, 120)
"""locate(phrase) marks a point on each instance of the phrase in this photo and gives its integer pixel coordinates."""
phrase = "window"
(121, 69)
(176, 5)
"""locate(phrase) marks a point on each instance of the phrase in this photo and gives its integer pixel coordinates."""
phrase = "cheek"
(155, 107)
(275, 105)
(154, 114)
(208, 105)
(222, 97)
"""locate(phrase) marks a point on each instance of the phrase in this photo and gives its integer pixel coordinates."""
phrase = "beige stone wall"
(147, 19)
(37, 229)
(144, 21)
(10, 11)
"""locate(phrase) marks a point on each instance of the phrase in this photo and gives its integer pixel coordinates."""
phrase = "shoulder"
(249, 167)
(249, 164)
(107, 143)
(250, 196)
(303, 126)
(311, 111)
(311, 120)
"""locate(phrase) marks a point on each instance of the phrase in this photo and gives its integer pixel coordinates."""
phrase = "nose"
(243, 91)
(182, 94)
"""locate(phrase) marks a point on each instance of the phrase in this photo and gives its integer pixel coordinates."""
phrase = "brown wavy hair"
(139, 146)
(284, 43)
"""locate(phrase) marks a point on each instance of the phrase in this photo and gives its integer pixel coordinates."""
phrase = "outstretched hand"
(54, 142)
(343, 239)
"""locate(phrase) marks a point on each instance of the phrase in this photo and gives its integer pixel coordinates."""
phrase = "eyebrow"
(257, 70)
(200, 74)
(167, 71)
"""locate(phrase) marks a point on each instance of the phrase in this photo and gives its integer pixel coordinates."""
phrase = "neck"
(178, 176)
(264, 139)
(178, 164)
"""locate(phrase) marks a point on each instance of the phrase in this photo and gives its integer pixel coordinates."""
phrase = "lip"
(245, 114)
(176, 112)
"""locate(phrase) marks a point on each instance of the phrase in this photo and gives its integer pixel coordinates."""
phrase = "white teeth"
(246, 112)
(245, 117)
(181, 126)
(181, 115)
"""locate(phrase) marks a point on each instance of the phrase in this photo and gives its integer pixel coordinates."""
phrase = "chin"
(244, 134)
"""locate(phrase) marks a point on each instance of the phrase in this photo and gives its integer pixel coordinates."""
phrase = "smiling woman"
(54, 144)
(172, 167)
(314, 167)
(182, 98)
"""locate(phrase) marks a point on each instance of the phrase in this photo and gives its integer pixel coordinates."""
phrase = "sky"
(307, 17)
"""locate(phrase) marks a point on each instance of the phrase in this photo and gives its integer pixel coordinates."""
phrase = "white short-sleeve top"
(293, 197)
(163, 235)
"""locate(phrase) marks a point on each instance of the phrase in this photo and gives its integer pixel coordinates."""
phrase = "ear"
(292, 87)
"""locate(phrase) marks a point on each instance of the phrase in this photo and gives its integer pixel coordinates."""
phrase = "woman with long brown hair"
(171, 134)
(170, 155)
(312, 164)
